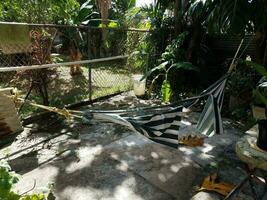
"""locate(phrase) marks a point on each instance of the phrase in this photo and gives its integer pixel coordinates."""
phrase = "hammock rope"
(66, 113)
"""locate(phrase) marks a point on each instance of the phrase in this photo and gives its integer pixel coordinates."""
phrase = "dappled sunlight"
(125, 190)
(123, 166)
(206, 157)
(165, 161)
(99, 164)
(130, 144)
(162, 177)
(141, 157)
(43, 176)
(86, 156)
(186, 150)
(105, 160)
(206, 148)
(89, 193)
(63, 130)
(154, 155)
(114, 155)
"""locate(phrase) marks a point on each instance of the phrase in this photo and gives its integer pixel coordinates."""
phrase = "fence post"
(89, 65)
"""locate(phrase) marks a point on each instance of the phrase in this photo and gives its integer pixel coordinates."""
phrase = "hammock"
(164, 127)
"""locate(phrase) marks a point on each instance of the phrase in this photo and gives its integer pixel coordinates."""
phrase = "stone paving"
(108, 162)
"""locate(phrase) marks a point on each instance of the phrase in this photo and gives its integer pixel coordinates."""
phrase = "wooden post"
(90, 82)
(89, 65)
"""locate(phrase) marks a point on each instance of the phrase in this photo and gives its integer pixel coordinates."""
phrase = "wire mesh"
(64, 85)
(107, 80)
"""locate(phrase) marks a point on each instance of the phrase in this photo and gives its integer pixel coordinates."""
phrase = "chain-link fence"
(80, 73)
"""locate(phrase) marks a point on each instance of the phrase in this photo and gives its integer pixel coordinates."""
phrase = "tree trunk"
(103, 6)
(177, 18)
(75, 55)
(195, 39)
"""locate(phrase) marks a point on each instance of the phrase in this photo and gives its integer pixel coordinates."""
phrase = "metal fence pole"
(89, 65)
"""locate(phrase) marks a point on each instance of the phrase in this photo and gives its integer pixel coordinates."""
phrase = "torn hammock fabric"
(164, 127)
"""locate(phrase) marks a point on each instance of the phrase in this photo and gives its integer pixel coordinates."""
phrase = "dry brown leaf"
(210, 184)
(191, 141)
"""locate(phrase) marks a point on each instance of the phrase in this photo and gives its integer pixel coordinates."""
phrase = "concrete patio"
(108, 162)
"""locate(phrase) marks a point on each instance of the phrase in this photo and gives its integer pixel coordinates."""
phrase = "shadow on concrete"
(108, 165)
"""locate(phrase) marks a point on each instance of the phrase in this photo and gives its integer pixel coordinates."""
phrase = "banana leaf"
(159, 67)
(258, 68)
(166, 91)
(184, 65)
(258, 95)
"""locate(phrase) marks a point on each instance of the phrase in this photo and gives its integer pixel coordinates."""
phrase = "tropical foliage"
(162, 51)
(8, 179)
(172, 58)
(45, 11)
(260, 92)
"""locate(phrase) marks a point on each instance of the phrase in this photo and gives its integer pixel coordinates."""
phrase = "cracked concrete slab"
(162, 166)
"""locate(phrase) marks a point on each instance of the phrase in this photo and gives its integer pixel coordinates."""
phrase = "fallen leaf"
(210, 184)
(191, 141)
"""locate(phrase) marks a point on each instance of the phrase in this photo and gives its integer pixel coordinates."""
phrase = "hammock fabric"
(164, 127)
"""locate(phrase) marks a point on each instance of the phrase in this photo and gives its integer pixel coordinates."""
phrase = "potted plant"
(259, 107)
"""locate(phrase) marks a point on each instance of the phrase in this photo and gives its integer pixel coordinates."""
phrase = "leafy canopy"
(38, 11)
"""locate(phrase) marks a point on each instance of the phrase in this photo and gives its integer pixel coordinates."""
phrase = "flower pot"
(139, 86)
(262, 134)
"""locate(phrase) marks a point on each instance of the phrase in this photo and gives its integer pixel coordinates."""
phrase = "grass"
(65, 89)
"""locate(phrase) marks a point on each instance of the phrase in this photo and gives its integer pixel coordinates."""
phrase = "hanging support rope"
(68, 114)
(233, 63)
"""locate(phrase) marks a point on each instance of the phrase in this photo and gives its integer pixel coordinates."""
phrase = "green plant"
(139, 58)
(260, 92)
(240, 81)
(172, 58)
(7, 180)
(137, 44)
(39, 80)
(48, 11)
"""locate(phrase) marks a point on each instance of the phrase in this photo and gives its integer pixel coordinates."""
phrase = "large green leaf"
(131, 4)
(184, 65)
(34, 197)
(166, 91)
(259, 96)
(162, 66)
(86, 11)
(258, 68)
